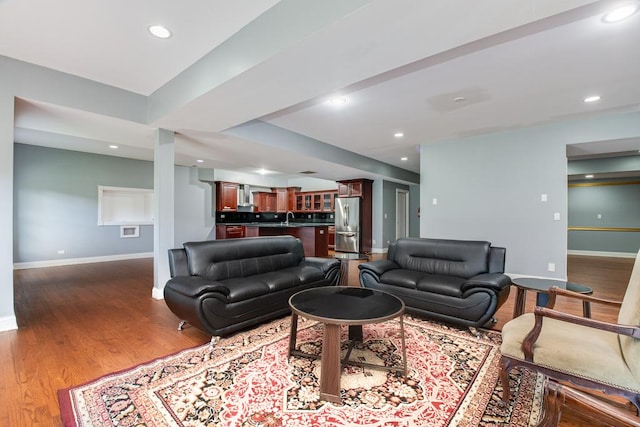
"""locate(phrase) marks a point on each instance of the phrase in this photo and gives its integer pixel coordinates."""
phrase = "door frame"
(406, 211)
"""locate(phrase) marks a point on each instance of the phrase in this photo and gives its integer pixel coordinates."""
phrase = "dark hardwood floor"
(80, 322)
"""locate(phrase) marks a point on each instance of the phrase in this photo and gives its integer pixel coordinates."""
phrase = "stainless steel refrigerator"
(347, 212)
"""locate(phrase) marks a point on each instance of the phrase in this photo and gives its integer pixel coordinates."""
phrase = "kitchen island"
(314, 236)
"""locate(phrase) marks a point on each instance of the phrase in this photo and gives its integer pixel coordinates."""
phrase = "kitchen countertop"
(284, 225)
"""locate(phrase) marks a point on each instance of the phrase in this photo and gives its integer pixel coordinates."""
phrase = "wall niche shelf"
(125, 206)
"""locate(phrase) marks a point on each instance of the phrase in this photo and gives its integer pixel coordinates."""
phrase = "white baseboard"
(604, 254)
(518, 275)
(8, 323)
(157, 293)
(379, 250)
(72, 261)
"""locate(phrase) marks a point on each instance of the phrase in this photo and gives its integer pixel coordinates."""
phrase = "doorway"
(402, 213)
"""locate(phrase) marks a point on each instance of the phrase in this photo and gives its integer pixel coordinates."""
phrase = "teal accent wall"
(56, 204)
(617, 205)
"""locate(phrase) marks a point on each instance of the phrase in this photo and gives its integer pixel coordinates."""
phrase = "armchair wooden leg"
(552, 405)
(505, 367)
(556, 396)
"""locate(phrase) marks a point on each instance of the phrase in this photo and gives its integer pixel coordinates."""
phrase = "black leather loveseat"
(455, 281)
(221, 286)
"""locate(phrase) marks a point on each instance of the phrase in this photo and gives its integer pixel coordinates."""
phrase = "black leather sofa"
(222, 286)
(455, 281)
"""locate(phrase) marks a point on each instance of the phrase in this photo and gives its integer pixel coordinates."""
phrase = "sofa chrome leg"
(474, 331)
(494, 320)
(181, 324)
(214, 340)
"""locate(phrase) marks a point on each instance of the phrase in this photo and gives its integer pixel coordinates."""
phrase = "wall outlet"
(551, 267)
(434, 201)
(373, 241)
(599, 216)
(60, 251)
(543, 197)
(385, 216)
(556, 216)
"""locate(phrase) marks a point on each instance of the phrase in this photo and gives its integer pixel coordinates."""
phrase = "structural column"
(164, 214)
(7, 314)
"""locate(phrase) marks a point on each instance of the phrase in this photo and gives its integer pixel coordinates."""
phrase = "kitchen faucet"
(287, 218)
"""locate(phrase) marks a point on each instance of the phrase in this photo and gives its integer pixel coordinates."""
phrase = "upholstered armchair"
(585, 352)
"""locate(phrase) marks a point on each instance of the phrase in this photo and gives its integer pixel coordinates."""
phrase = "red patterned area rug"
(248, 380)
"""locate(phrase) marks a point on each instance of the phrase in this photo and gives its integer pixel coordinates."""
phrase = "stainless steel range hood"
(245, 198)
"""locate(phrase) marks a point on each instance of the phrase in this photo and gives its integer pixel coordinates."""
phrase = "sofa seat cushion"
(595, 364)
(441, 285)
(243, 288)
(435, 283)
(403, 278)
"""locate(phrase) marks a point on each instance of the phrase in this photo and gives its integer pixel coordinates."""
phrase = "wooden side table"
(541, 286)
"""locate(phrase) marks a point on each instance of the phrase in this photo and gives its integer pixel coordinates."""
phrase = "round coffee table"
(335, 306)
(541, 286)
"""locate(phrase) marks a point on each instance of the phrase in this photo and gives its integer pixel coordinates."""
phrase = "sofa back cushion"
(460, 258)
(231, 258)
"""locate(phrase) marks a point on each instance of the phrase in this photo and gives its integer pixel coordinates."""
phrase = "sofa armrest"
(178, 264)
(378, 267)
(194, 286)
(324, 264)
(495, 281)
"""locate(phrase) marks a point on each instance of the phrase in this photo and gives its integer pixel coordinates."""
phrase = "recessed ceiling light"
(620, 13)
(404, 159)
(398, 134)
(160, 31)
(588, 176)
(113, 147)
(200, 161)
(593, 98)
(338, 100)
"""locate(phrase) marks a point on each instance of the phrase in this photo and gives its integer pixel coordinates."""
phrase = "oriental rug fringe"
(248, 380)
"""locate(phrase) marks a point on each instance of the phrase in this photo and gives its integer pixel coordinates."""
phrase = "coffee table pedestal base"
(331, 364)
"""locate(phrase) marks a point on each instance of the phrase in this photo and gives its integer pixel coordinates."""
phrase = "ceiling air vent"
(308, 172)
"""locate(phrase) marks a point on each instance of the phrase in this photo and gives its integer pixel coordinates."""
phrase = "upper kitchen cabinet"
(264, 201)
(285, 198)
(353, 187)
(314, 201)
(226, 196)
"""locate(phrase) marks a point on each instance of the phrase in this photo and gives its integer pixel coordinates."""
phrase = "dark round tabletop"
(543, 285)
(346, 305)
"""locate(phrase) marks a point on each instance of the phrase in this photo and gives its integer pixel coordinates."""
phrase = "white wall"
(7, 315)
(489, 188)
(194, 211)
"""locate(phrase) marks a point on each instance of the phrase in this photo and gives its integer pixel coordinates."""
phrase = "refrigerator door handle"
(346, 233)
(346, 215)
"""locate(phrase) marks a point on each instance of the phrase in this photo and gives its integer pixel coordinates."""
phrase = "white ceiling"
(400, 64)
